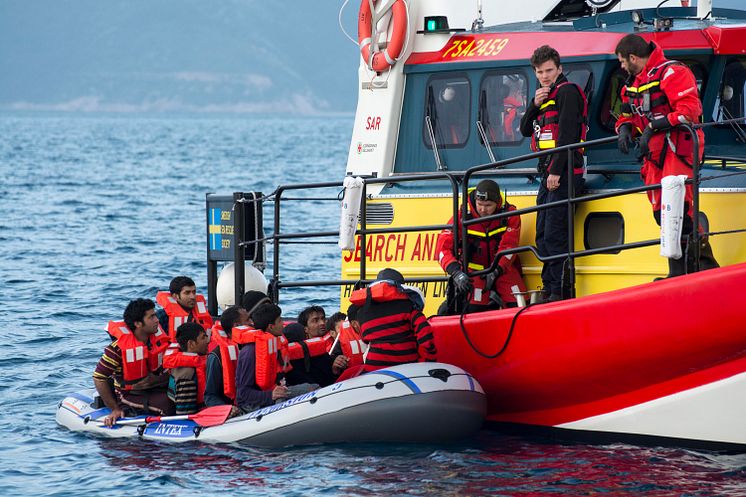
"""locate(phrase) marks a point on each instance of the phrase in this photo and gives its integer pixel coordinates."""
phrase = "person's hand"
(491, 278)
(644, 139)
(541, 95)
(116, 413)
(553, 182)
(235, 411)
(624, 141)
(340, 364)
(280, 392)
(461, 281)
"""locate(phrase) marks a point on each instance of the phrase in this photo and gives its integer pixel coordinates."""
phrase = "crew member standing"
(660, 94)
(556, 116)
(484, 241)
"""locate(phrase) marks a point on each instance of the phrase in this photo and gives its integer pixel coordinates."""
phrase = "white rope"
(339, 18)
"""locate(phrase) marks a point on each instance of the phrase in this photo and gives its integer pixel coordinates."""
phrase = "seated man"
(220, 381)
(313, 320)
(258, 365)
(484, 241)
(129, 375)
(181, 304)
(334, 323)
(186, 366)
(392, 323)
(310, 359)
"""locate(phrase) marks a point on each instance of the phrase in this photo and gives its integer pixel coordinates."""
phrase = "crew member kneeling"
(484, 241)
(392, 323)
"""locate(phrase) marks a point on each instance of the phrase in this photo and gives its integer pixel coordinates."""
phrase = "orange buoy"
(382, 59)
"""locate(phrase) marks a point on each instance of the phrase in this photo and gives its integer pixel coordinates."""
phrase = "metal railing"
(459, 184)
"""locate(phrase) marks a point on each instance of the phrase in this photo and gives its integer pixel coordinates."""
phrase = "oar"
(211, 416)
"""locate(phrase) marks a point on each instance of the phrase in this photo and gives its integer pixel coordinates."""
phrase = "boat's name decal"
(171, 430)
(469, 47)
(295, 400)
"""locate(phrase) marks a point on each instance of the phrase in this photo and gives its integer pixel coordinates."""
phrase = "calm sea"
(96, 211)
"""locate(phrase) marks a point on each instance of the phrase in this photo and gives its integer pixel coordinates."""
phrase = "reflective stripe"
(124, 330)
(546, 144)
(390, 61)
(364, 42)
(547, 104)
(474, 265)
(354, 347)
(129, 355)
(644, 87)
(201, 307)
(476, 233)
(232, 352)
(139, 353)
(498, 230)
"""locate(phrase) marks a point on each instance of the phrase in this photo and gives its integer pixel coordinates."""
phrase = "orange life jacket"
(271, 354)
(175, 358)
(177, 315)
(228, 358)
(316, 346)
(137, 359)
(379, 291)
(352, 344)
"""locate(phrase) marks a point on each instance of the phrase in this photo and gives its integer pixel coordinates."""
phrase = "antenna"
(478, 23)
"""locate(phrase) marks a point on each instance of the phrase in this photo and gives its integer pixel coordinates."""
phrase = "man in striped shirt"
(145, 396)
(392, 323)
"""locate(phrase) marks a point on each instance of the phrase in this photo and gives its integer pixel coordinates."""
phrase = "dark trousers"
(551, 233)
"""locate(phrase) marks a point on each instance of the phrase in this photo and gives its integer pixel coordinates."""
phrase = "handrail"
(459, 183)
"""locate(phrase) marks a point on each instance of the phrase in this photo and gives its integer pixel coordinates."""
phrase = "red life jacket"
(546, 126)
(137, 359)
(271, 354)
(175, 358)
(649, 102)
(482, 242)
(352, 344)
(228, 358)
(177, 315)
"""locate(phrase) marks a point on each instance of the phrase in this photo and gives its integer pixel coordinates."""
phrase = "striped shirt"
(110, 366)
(182, 390)
(397, 334)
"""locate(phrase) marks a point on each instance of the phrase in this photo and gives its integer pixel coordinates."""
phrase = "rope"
(507, 338)
(339, 18)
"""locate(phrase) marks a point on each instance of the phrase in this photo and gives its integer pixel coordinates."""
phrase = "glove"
(461, 281)
(491, 278)
(644, 150)
(625, 138)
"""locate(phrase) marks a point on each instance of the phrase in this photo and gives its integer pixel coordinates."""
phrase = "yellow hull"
(414, 255)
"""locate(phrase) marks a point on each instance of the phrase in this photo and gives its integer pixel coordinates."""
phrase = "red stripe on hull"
(593, 355)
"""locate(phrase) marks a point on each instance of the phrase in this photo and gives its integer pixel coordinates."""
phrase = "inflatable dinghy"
(421, 402)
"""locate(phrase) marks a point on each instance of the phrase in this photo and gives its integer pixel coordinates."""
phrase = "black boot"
(676, 267)
(706, 257)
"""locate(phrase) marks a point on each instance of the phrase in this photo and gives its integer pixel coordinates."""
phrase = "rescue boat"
(628, 356)
(424, 402)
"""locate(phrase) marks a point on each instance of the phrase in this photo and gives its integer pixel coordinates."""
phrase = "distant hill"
(182, 55)
(176, 55)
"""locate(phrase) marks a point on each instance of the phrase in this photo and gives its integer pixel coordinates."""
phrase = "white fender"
(353, 193)
(672, 215)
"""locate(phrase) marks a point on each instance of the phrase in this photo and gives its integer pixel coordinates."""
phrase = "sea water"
(98, 210)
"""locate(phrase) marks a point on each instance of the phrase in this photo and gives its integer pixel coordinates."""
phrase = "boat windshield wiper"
(740, 133)
(429, 119)
(484, 118)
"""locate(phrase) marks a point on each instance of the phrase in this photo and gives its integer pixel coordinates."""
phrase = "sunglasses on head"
(482, 195)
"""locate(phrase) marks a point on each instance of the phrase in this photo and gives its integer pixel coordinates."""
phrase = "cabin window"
(730, 103)
(611, 107)
(502, 103)
(700, 75)
(448, 107)
(580, 75)
(604, 229)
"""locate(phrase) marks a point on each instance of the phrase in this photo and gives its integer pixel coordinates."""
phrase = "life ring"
(383, 59)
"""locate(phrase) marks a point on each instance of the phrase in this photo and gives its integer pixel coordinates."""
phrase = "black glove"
(491, 278)
(461, 281)
(625, 138)
(644, 150)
